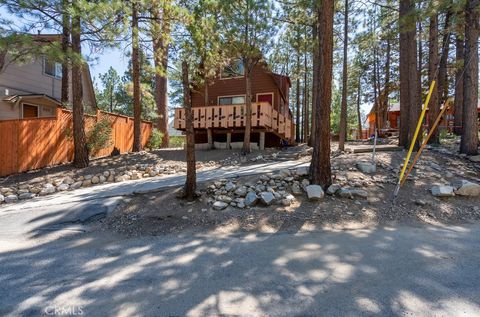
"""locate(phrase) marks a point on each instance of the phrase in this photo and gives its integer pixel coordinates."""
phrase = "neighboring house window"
(29, 111)
(52, 68)
(233, 70)
(231, 100)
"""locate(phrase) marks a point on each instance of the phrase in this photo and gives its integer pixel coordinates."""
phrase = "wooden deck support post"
(210, 138)
(262, 141)
(229, 140)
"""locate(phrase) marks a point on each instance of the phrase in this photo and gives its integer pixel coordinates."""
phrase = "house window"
(53, 69)
(231, 100)
(29, 111)
(233, 70)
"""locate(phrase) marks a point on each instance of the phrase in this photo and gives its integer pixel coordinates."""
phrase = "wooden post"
(229, 139)
(262, 141)
(210, 138)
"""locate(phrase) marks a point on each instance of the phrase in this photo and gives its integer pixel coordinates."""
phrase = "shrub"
(99, 137)
(177, 141)
(156, 138)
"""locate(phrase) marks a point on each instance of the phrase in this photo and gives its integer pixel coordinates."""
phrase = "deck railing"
(233, 116)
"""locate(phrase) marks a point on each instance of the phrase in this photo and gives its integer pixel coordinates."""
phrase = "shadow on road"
(382, 271)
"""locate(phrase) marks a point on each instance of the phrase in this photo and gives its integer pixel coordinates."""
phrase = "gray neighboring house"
(33, 90)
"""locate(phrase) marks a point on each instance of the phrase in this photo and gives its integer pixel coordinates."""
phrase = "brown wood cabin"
(221, 122)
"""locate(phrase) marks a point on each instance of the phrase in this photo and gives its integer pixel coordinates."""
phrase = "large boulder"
(267, 198)
(314, 192)
(367, 167)
(467, 188)
(442, 191)
(251, 199)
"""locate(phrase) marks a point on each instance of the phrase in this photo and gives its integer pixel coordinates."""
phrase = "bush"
(99, 137)
(177, 141)
(156, 138)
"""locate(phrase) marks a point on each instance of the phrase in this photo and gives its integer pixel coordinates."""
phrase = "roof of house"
(17, 98)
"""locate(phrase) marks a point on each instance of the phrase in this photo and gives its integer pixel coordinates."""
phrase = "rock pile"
(461, 188)
(48, 186)
(273, 189)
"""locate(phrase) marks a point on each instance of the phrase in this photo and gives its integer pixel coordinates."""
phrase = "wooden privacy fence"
(27, 144)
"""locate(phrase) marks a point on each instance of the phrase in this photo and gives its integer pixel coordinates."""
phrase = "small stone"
(284, 173)
(251, 199)
(267, 198)
(106, 173)
(2, 198)
(87, 183)
(230, 186)
(95, 180)
(225, 198)
(314, 192)
(10, 198)
(219, 205)
(22, 191)
(475, 158)
(63, 187)
(76, 185)
(26, 196)
(420, 202)
(241, 191)
(47, 189)
(102, 179)
(87, 177)
(296, 190)
(68, 180)
(332, 189)
(442, 191)
(305, 183)
(302, 171)
(241, 205)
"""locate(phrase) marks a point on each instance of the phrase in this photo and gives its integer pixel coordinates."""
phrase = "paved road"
(68, 210)
(393, 271)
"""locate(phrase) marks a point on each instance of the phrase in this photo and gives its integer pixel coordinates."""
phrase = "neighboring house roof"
(17, 98)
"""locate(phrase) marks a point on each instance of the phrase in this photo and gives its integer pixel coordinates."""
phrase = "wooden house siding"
(262, 82)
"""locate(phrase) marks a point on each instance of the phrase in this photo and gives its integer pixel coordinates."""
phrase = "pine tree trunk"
(306, 122)
(248, 105)
(320, 169)
(297, 96)
(405, 37)
(443, 64)
(315, 83)
(65, 48)
(434, 105)
(137, 106)
(458, 102)
(191, 180)
(343, 108)
(469, 141)
(160, 32)
(359, 116)
(80, 158)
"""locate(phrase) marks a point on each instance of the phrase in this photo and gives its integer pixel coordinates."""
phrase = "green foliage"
(156, 138)
(99, 137)
(177, 141)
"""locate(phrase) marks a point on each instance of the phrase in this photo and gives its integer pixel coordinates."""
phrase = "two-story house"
(33, 90)
(219, 111)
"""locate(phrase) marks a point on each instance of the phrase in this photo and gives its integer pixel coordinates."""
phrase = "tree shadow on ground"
(379, 271)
